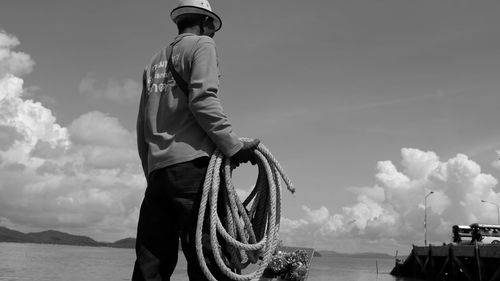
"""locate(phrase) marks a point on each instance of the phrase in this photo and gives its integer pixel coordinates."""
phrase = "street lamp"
(425, 217)
(498, 212)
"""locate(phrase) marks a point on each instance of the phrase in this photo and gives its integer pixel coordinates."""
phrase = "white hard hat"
(201, 7)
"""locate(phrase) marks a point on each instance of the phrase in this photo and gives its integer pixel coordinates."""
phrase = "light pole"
(498, 212)
(425, 217)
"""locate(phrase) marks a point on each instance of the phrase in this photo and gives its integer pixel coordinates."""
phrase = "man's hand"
(246, 153)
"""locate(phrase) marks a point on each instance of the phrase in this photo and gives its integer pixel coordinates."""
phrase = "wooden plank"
(437, 251)
(487, 251)
(267, 276)
(420, 251)
(464, 251)
(430, 264)
(415, 268)
(490, 251)
(453, 265)
(440, 251)
(448, 262)
(427, 260)
(479, 264)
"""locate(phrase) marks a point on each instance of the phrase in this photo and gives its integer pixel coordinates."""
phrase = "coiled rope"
(250, 234)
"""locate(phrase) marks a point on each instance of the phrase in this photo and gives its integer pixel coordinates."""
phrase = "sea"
(44, 262)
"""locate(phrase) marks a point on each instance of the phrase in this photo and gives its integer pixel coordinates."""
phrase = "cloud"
(123, 91)
(97, 128)
(16, 63)
(496, 163)
(85, 178)
(24, 123)
(8, 135)
(103, 142)
(390, 213)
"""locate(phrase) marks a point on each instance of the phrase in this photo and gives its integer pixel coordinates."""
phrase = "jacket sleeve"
(204, 102)
(142, 146)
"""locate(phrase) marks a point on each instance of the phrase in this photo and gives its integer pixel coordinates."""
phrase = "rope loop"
(248, 230)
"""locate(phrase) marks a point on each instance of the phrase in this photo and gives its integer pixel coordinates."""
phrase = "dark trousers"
(168, 212)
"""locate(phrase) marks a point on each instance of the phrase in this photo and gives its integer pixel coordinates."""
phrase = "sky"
(367, 105)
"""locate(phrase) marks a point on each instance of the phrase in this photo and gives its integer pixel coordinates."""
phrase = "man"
(178, 128)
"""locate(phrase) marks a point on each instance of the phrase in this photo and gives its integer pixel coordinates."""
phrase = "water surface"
(41, 262)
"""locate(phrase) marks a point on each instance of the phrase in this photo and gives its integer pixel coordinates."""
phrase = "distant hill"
(9, 235)
(57, 237)
(124, 243)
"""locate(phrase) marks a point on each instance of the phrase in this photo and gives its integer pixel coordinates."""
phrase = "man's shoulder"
(158, 56)
(197, 39)
(206, 39)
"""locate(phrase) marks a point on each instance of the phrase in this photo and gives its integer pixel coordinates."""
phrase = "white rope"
(249, 234)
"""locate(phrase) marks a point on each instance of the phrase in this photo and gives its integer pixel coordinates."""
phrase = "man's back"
(180, 126)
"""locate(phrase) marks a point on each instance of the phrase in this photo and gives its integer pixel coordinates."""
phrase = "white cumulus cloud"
(390, 213)
(97, 128)
(26, 121)
(85, 178)
(496, 163)
(16, 63)
(121, 91)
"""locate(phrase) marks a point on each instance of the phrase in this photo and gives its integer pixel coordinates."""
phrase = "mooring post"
(414, 265)
(453, 265)
(478, 263)
(430, 264)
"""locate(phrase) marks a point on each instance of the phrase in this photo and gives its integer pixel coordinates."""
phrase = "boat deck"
(452, 262)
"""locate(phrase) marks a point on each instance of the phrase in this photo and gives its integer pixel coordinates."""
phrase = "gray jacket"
(172, 127)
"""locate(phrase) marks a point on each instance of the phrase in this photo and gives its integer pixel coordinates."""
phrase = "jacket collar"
(181, 36)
